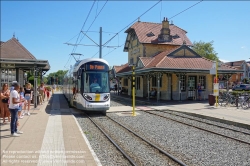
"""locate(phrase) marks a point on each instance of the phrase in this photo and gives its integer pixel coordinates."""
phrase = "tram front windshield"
(95, 82)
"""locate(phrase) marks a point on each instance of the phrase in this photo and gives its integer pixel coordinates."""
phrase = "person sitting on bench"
(152, 92)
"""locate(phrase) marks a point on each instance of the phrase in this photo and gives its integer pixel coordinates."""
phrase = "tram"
(86, 85)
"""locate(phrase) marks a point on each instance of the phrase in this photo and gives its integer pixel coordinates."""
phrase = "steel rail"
(158, 148)
(236, 139)
(113, 142)
(205, 122)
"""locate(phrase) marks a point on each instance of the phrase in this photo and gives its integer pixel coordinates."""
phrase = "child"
(47, 93)
(21, 104)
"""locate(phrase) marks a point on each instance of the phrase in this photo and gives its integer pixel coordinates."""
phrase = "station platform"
(228, 115)
(51, 136)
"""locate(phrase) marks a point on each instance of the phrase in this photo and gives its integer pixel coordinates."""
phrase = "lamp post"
(133, 89)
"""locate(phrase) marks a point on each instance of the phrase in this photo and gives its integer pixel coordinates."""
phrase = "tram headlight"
(106, 97)
(87, 97)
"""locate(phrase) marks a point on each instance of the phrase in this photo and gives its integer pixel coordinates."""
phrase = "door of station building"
(191, 87)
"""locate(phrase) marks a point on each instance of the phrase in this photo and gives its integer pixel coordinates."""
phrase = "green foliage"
(205, 50)
(56, 75)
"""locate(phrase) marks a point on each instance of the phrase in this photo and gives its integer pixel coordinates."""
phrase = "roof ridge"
(22, 47)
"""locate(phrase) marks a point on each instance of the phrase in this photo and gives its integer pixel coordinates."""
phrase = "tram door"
(191, 87)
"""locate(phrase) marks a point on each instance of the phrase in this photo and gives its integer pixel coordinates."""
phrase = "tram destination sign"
(99, 67)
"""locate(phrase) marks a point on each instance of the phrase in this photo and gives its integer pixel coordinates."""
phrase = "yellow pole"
(216, 97)
(133, 91)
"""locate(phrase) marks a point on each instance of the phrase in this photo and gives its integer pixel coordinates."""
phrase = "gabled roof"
(122, 68)
(237, 64)
(144, 31)
(182, 59)
(13, 49)
(167, 59)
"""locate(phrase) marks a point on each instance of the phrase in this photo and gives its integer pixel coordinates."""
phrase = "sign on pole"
(213, 69)
(216, 89)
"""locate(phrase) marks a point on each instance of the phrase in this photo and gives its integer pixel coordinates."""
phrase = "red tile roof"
(122, 68)
(13, 49)
(144, 28)
(235, 63)
(146, 60)
(166, 60)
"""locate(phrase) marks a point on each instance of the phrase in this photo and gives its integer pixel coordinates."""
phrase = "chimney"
(165, 32)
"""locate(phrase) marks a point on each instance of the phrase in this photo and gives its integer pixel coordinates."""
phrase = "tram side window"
(78, 85)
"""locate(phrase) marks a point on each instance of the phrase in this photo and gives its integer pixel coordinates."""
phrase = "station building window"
(7, 76)
(202, 81)
(154, 81)
(183, 82)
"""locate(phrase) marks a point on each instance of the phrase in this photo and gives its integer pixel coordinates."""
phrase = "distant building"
(16, 60)
(163, 60)
(240, 65)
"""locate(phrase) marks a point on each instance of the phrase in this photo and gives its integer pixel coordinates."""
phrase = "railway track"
(203, 129)
(209, 123)
(130, 156)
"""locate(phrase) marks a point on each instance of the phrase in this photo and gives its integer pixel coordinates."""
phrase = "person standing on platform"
(4, 95)
(14, 107)
(20, 111)
(53, 88)
(28, 96)
(47, 93)
(41, 89)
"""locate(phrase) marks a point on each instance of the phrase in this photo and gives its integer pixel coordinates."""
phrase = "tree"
(205, 50)
(57, 77)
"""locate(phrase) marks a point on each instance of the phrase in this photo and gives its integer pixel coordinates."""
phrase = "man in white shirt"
(14, 107)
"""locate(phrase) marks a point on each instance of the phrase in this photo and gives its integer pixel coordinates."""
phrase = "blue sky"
(44, 26)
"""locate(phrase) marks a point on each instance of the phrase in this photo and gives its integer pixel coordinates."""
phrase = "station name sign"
(7, 65)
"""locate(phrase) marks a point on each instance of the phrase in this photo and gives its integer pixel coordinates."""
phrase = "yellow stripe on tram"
(97, 97)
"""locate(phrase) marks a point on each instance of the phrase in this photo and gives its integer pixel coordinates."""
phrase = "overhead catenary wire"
(137, 19)
(158, 24)
(132, 22)
(177, 14)
(80, 31)
(94, 20)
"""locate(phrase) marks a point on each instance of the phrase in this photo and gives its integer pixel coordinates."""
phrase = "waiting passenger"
(153, 92)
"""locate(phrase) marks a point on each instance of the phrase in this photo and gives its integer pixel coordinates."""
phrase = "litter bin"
(211, 99)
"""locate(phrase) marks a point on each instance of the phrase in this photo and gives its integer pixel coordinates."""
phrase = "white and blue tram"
(86, 85)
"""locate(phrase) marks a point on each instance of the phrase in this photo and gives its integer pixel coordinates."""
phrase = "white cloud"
(242, 47)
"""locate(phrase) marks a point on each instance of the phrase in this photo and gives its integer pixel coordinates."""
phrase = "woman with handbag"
(5, 94)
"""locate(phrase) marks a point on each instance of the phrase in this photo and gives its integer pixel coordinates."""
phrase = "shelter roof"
(13, 49)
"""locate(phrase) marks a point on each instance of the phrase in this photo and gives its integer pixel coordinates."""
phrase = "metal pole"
(158, 87)
(216, 97)
(35, 88)
(100, 45)
(133, 79)
(148, 88)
